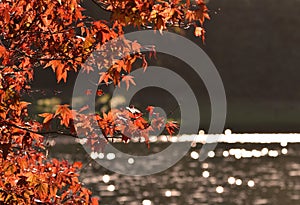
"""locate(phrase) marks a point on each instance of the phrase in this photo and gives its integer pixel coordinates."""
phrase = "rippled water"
(234, 173)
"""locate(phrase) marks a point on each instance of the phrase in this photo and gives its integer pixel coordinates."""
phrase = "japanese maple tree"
(54, 34)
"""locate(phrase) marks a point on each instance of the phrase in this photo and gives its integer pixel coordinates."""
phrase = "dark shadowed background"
(254, 44)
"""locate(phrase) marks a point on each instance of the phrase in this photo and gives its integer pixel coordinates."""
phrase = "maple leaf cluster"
(124, 124)
(158, 14)
(55, 34)
(35, 34)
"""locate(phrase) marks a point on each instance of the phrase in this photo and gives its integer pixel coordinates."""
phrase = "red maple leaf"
(171, 127)
(150, 109)
(128, 79)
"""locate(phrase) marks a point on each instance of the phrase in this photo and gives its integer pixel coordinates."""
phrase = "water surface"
(235, 173)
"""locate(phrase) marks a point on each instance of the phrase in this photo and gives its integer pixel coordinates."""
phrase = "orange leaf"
(47, 116)
(104, 77)
(77, 165)
(160, 24)
(188, 3)
(61, 73)
(2, 51)
(46, 21)
(42, 190)
(53, 191)
(128, 79)
(99, 92)
(88, 42)
(150, 109)
(171, 126)
(65, 113)
(95, 200)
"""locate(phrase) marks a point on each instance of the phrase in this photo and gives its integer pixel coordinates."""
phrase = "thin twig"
(54, 132)
(41, 133)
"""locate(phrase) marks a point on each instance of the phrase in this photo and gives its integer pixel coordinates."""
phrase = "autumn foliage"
(54, 34)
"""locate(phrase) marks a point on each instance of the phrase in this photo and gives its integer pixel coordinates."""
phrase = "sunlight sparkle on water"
(231, 180)
(283, 144)
(225, 153)
(168, 193)
(194, 155)
(211, 154)
(130, 161)
(201, 132)
(273, 153)
(246, 154)
(101, 156)
(256, 153)
(238, 182)
(219, 189)
(284, 151)
(232, 151)
(229, 137)
(238, 155)
(94, 155)
(111, 188)
(205, 174)
(204, 165)
(153, 139)
(146, 202)
(251, 183)
(228, 132)
(110, 156)
(106, 178)
(264, 151)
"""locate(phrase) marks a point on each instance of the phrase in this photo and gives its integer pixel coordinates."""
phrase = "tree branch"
(41, 133)
(52, 132)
